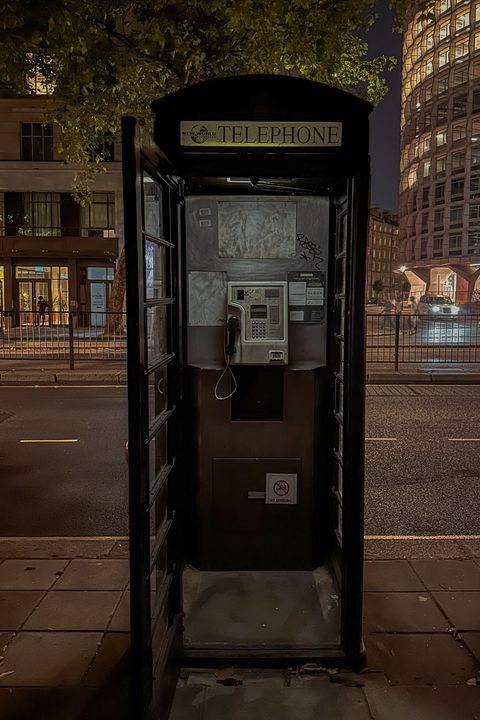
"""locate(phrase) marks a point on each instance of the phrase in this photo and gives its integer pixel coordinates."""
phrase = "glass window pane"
(96, 273)
(155, 270)
(157, 455)
(156, 320)
(152, 207)
(157, 393)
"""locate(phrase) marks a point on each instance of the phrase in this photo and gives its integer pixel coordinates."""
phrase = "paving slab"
(461, 608)
(120, 550)
(100, 574)
(402, 612)
(16, 606)
(188, 703)
(120, 621)
(420, 659)
(112, 651)
(30, 574)
(422, 703)
(390, 575)
(49, 659)
(448, 574)
(260, 702)
(47, 548)
(472, 641)
(413, 549)
(74, 610)
(41, 704)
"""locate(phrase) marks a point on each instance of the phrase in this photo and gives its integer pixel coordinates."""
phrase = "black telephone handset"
(233, 326)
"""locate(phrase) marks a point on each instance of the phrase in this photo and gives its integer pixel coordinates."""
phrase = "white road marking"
(50, 441)
(464, 439)
(422, 537)
(386, 439)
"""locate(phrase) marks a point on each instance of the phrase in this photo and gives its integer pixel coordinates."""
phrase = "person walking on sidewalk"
(42, 306)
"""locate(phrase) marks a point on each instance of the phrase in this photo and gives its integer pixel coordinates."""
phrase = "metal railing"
(62, 335)
(422, 338)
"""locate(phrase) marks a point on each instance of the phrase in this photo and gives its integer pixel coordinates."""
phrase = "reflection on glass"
(155, 271)
(157, 393)
(157, 455)
(156, 322)
(152, 207)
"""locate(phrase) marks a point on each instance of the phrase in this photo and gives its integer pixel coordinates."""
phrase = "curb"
(423, 378)
(63, 378)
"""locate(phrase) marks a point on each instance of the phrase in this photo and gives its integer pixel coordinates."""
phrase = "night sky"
(385, 119)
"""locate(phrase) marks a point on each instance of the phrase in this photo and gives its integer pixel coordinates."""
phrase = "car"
(437, 306)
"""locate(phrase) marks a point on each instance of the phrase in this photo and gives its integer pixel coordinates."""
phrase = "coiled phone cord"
(224, 371)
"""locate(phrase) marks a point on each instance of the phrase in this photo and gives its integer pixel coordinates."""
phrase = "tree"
(112, 58)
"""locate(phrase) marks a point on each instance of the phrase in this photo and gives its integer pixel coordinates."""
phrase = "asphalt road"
(419, 480)
(77, 488)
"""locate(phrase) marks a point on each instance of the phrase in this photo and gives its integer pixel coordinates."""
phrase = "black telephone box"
(245, 235)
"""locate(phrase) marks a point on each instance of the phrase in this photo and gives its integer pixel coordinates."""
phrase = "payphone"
(260, 310)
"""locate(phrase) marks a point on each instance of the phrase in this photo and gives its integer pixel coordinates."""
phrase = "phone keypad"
(259, 331)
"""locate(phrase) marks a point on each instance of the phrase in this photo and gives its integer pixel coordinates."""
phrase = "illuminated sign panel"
(221, 133)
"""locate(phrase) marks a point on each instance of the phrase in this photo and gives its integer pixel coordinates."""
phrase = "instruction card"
(281, 489)
(306, 297)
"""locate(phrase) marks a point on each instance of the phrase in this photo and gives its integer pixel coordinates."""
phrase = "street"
(422, 451)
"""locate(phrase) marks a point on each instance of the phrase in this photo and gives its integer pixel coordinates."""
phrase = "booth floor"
(260, 609)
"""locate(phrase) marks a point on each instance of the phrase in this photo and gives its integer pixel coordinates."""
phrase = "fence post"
(70, 341)
(397, 338)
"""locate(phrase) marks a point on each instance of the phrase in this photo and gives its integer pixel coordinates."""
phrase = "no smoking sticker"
(281, 489)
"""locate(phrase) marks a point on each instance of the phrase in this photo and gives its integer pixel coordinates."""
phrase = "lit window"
(461, 49)
(462, 20)
(477, 12)
(429, 41)
(475, 157)
(442, 84)
(418, 25)
(417, 51)
(476, 130)
(441, 138)
(459, 131)
(41, 214)
(443, 6)
(426, 168)
(441, 164)
(97, 219)
(39, 76)
(475, 186)
(443, 57)
(444, 30)
(428, 66)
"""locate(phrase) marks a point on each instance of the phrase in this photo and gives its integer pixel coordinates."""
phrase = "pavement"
(112, 372)
(64, 634)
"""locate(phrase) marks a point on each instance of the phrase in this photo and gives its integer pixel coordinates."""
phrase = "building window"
(460, 76)
(475, 157)
(425, 194)
(98, 218)
(429, 41)
(459, 131)
(456, 216)
(412, 177)
(459, 106)
(441, 137)
(474, 214)
(437, 245)
(37, 141)
(475, 185)
(438, 219)
(428, 66)
(476, 41)
(423, 248)
(39, 77)
(440, 193)
(104, 151)
(441, 165)
(462, 20)
(458, 161)
(424, 226)
(428, 92)
(41, 214)
(476, 16)
(443, 6)
(476, 130)
(455, 245)
(425, 145)
(426, 168)
(474, 243)
(441, 113)
(456, 188)
(476, 100)
(443, 57)
(460, 49)
(442, 84)
(444, 30)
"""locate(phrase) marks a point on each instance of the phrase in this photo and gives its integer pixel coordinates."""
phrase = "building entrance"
(29, 293)
(49, 282)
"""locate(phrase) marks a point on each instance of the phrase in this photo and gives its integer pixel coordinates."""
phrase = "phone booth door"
(152, 200)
